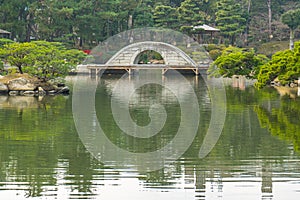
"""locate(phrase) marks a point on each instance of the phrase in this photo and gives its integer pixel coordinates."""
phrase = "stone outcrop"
(3, 88)
(24, 86)
(20, 84)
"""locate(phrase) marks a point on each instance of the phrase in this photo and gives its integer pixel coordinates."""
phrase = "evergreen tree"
(292, 20)
(189, 13)
(143, 16)
(230, 19)
(165, 16)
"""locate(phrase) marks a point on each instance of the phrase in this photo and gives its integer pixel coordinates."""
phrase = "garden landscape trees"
(84, 24)
(44, 60)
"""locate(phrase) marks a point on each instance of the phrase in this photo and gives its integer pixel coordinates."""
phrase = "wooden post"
(130, 71)
(196, 71)
(163, 71)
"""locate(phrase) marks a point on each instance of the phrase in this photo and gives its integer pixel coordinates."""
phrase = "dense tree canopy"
(292, 19)
(45, 60)
(230, 18)
(84, 23)
(284, 66)
(239, 61)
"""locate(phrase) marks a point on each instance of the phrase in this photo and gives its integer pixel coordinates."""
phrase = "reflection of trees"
(39, 145)
(242, 141)
(34, 138)
(282, 121)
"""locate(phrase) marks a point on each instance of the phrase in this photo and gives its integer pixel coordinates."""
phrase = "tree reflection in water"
(41, 154)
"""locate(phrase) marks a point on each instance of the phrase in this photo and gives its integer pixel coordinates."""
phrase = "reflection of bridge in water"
(122, 52)
(132, 88)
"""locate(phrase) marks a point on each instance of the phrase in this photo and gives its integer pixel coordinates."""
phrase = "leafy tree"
(18, 54)
(285, 65)
(13, 17)
(215, 50)
(45, 60)
(53, 20)
(83, 24)
(238, 61)
(143, 16)
(230, 18)
(189, 13)
(165, 16)
(53, 60)
(292, 20)
(4, 41)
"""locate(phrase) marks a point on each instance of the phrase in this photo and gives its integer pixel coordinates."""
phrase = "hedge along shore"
(24, 85)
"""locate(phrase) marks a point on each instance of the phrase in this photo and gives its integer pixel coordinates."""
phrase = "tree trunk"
(20, 69)
(291, 39)
(130, 22)
(247, 23)
(28, 31)
(269, 2)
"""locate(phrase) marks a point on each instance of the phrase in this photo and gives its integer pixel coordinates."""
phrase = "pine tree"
(165, 16)
(292, 20)
(230, 19)
(189, 12)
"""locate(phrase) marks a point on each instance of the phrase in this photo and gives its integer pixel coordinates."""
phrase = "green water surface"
(256, 157)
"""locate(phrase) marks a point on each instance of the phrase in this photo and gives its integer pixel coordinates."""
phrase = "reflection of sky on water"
(191, 184)
(130, 88)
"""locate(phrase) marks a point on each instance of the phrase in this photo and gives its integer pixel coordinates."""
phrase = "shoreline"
(25, 85)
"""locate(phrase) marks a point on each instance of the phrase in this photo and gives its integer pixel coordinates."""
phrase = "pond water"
(255, 156)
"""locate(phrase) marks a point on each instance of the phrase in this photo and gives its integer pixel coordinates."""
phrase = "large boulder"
(20, 84)
(3, 88)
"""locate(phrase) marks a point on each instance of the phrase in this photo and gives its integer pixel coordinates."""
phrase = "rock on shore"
(25, 86)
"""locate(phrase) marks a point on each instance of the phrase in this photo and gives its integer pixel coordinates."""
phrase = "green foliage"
(4, 41)
(186, 29)
(284, 65)
(46, 60)
(239, 61)
(215, 53)
(146, 56)
(291, 18)
(143, 16)
(230, 18)
(165, 16)
(1, 67)
(215, 50)
(189, 13)
(282, 122)
(18, 54)
(81, 23)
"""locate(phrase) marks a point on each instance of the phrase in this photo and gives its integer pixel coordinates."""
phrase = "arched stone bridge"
(127, 59)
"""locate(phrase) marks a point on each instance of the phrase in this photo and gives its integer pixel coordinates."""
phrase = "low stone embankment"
(25, 86)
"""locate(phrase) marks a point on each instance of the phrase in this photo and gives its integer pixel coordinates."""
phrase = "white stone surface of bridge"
(172, 55)
(127, 58)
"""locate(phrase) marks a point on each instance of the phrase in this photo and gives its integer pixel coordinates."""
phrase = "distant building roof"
(4, 31)
(206, 28)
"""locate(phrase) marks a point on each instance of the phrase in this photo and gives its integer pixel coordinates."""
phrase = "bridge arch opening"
(149, 57)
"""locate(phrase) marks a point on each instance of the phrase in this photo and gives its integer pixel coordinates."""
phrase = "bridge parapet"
(123, 51)
(171, 54)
